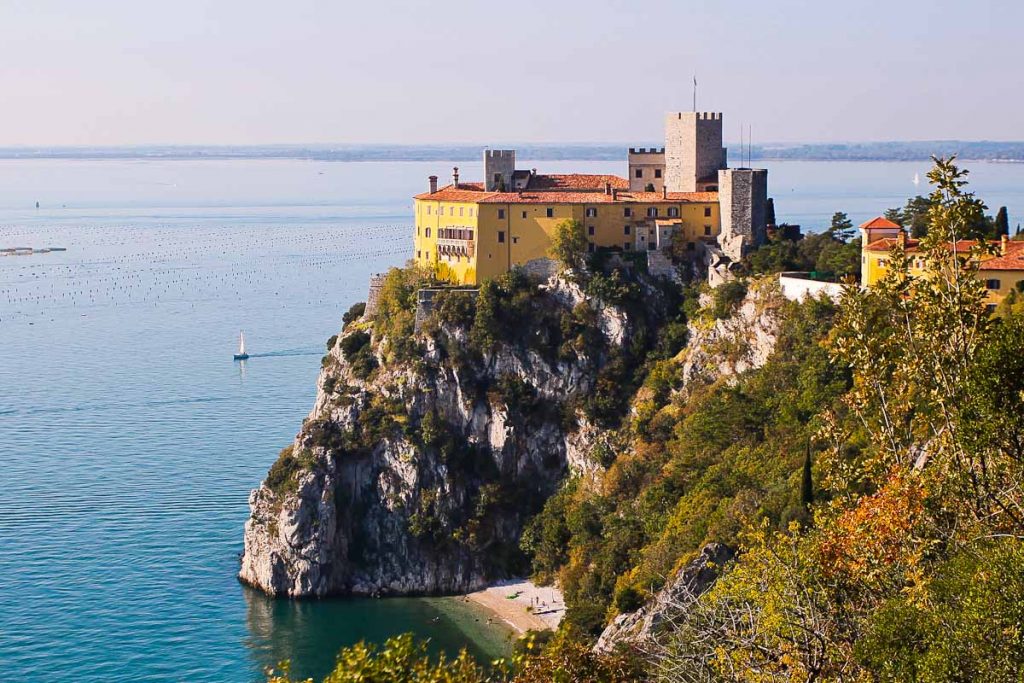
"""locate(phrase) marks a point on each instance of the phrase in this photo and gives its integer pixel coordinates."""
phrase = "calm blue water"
(129, 440)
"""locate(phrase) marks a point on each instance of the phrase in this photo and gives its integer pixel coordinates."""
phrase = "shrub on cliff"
(355, 312)
(395, 318)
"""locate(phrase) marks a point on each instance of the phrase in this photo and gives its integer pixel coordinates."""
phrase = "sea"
(130, 439)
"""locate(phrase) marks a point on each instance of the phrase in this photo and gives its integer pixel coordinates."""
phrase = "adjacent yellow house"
(467, 234)
(1001, 272)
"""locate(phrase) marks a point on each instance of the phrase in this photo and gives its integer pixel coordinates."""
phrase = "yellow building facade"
(1002, 271)
(466, 234)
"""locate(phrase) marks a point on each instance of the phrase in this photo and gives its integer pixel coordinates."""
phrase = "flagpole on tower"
(695, 92)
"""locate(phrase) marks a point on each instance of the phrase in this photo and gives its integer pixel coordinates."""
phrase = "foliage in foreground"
(404, 660)
(912, 570)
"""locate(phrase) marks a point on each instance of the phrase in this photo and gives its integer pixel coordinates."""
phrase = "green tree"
(569, 244)
(769, 214)
(894, 215)
(841, 227)
(806, 481)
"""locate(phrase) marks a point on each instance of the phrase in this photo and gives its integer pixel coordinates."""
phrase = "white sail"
(917, 179)
(241, 344)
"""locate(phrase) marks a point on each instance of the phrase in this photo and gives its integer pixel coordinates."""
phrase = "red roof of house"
(879, 222)
(887, 243)
(572, 188)
(1013, 259)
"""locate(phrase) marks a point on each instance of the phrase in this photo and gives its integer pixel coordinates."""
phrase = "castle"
(467, 232)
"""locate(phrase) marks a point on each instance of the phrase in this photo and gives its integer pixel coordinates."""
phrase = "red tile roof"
(575, 188)
(879, 222)
(887, 243)
(1013, 259)
(577, 181)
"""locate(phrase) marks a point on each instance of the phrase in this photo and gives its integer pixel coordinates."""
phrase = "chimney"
(664, 192)
(903, 239)
(455, 177)
(533, 171)
(433, 184)
(1004, 245)
(607, 188)
(615, 194)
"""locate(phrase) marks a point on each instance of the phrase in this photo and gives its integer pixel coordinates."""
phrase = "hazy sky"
(101, 72)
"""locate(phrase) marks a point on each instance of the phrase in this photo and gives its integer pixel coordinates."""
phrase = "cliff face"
(418, 476)
(743, 341)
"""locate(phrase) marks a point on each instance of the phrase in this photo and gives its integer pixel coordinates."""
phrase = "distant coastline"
(854, 151)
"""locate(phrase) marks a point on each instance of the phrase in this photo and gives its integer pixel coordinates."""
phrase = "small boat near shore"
(241, 355)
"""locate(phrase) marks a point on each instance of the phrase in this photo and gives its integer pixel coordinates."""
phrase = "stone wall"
(373, 295)
(797, 287)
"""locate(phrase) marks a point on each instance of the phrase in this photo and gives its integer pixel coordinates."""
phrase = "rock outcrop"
(695, 578)
(417, 477)
(743, 341)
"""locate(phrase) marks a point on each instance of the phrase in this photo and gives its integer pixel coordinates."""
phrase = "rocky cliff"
(415, 472)
(696, 577)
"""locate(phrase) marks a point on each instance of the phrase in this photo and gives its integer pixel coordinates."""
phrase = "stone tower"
(693, 151)
(499, 166)
(743, 202)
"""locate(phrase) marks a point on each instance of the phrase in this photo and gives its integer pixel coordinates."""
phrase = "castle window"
(501, 213)
(501, 237)
(993, 284)
(657, 173)
(461, 210)
(639, 173)
(550, 212)
(591, 247)
(428, 232)
(652, 212)
(515, 240)
(524, 214)
(707, 229)
(625, 229)
(590, 230)
(627, 246)
(451, 210)
(707, 211)
(428, 209)
(417, 253)
(591, 213)
(673, 212)
(627, 212)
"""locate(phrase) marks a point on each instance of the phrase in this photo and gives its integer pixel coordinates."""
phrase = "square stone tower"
(693, 151)
(743, 203)
(499, 167)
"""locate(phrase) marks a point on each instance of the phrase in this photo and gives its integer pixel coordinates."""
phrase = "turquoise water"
(129, 440)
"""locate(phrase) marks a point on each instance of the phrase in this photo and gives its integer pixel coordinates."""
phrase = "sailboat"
(241, 355)
(917, 179)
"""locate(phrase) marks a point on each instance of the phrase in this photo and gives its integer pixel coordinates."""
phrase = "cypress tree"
(1002, 222)
(769, 213)
(807, 485)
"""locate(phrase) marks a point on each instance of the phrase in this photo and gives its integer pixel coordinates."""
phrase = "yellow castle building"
(467, 232)
(1002, 271)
